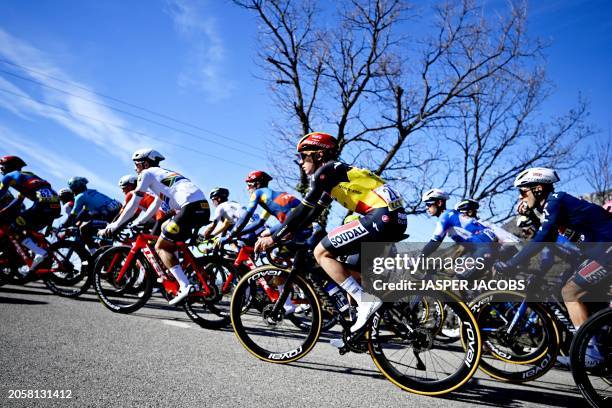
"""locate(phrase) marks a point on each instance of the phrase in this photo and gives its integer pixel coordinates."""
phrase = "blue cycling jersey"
(564, 211)
(30, 186)
(461, 228)
(96, 203)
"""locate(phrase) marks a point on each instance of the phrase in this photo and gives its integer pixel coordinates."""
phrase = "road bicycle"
(124, 277)
(65, 270)
(399, 340)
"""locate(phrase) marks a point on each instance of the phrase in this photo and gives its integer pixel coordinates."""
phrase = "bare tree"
(468, 81)
(498, 136)
(319, 77)
(597, 170)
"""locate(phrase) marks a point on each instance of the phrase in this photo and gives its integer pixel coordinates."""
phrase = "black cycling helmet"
(11, 163)
(219, 192)
(467, 205)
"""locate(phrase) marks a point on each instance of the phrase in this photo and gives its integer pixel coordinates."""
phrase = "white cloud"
(86, 118)
(207, 53)
(50, 162)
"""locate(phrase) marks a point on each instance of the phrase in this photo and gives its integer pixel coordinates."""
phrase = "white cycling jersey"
(230, 211)
(174, 189)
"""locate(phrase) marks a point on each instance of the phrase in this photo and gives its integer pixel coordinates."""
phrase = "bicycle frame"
(27, 260)
(171, 286)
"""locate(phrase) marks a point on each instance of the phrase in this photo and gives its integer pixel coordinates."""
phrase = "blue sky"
(194, 61)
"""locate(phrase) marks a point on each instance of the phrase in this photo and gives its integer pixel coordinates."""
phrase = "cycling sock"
(33, 247)
(178, 273)
(353, 288)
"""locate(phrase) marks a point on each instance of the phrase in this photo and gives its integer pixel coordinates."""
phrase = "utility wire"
(126, 129)
(75, 85)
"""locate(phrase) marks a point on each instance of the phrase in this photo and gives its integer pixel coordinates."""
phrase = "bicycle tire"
(383, 347)
(211, 313)
(65, 285)
(507, 366)
(600, 324)
(246, 290)
(117, 297)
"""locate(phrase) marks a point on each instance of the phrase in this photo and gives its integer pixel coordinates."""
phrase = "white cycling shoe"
(38, 259)
(364, 311)
(182, 294)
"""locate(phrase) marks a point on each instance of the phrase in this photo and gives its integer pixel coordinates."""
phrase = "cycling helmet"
(434, 194)
(317, 141)
(258, 176)
(219, 192)
(77, 184)
(467, 205)
(11, 163)
(127, 180)
(608, 206)
(536, 175)
(65, 194)
(147, 154)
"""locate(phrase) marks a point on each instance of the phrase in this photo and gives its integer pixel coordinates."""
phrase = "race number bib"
(390, 196)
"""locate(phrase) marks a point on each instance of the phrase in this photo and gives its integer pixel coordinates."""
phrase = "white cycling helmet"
(127, 179)
(536, 175)
(147, 154)
(435, 194)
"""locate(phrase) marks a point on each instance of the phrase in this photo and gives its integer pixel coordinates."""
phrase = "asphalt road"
(158, 357)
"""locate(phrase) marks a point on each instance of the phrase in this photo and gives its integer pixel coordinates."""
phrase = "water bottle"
(338, 296)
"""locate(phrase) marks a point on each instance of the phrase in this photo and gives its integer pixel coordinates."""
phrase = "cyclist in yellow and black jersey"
(358, 190)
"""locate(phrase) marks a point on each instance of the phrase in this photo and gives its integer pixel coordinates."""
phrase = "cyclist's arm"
(146, 215)
(128, 212)
(438, 236)
(244, 220)
(546, 233)
(78, 209)
(302, 215)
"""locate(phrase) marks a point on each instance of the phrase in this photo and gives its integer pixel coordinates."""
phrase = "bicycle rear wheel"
(591, 359)
(72, 262)
(403, 346)
(212, 311)
(274, 340)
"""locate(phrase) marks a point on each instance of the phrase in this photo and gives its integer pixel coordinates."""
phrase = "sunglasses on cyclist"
(304, 156)
(524, 191)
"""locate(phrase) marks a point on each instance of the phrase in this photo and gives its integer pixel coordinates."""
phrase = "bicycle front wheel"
(591, 359)
(404, 347)
(132, 291)
(269, 338)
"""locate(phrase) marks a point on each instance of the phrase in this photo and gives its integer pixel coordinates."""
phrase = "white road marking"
(177, 324)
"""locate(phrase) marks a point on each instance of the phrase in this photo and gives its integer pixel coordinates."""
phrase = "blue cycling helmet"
(77, 184)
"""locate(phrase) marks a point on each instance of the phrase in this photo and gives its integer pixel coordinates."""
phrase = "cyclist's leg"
(179, 228)
(590, 275)
(36, 218)
(378, 225)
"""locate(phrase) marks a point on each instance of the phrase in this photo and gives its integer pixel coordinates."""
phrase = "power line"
(75, 85)
(126, 129)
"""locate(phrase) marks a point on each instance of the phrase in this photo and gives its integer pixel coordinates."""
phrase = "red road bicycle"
(124, 277)
(65, 271)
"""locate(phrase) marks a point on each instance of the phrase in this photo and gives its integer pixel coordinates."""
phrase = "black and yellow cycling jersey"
(358, 190)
